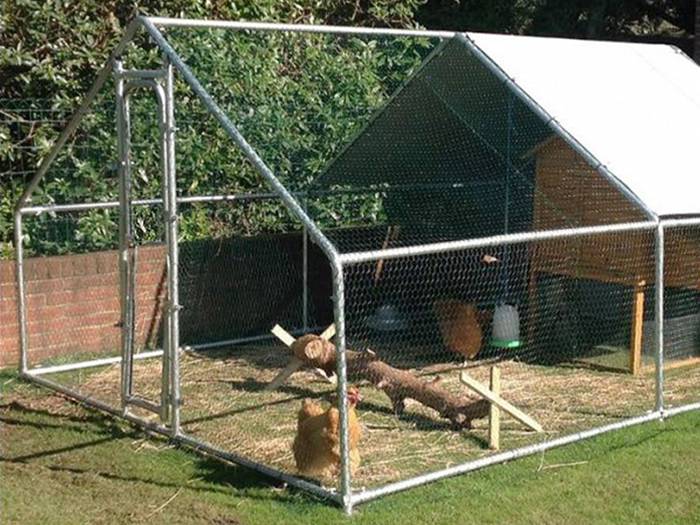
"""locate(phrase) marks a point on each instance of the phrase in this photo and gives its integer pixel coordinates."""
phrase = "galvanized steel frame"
(346, 497)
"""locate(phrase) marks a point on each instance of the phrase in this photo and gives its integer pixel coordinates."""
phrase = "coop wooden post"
(637, 326)
(497, 400)
(495, 412)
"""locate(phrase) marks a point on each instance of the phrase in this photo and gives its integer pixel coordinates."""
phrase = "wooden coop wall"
(570, 193)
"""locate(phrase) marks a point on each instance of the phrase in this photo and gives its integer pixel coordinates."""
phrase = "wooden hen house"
(568, 189)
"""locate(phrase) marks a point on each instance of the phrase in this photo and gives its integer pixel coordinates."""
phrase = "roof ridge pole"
(241, 25)
(260, 166)
(551, 121)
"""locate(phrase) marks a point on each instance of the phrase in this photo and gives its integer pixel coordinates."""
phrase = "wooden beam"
(283, 335)
(328, 333)
(678, 363)
(295, 363)
(495, 412)
(637, 329)
(500, 402)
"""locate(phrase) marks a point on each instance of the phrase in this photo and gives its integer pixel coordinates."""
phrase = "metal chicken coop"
(456, 206)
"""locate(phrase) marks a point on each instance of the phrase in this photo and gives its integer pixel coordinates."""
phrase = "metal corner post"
(659, 317)
(123, 139)
(21, 294)
(305, 278)
(173, 359)
(339, 308)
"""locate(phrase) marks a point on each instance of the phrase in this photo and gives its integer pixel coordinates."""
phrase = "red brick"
(8, 316)
(44, 286)
(7, 271)
(36, 269)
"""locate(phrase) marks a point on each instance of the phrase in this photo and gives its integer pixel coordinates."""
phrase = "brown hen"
(460, 327)
(316, 446)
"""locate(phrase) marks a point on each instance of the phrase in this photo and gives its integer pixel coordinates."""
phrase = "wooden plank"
(495, 412)
(283, 335)
(502, 403)
(637, 325)
(294, 364)
(677, 363)
(328, 333)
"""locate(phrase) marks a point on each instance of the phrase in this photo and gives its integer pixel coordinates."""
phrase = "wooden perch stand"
(493, 396)
(399, 385)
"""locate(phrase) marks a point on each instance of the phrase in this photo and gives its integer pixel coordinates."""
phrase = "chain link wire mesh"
(386, 142)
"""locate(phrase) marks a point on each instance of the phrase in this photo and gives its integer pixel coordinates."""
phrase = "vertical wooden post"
(637, 328)
(495, 412)
(531, 318)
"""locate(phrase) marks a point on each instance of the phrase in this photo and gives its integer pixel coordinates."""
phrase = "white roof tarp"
(635, 107)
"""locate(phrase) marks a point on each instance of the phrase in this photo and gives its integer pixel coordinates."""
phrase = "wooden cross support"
(502, 404)
(295, 363)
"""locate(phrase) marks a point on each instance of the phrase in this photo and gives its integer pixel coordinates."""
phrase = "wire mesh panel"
(427, 319)
(681, 315)
(73, 308)
(393, 189)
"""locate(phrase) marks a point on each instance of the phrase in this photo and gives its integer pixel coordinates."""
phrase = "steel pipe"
(171, 220)
(668, 412)
(105, 361)
(342, 390)
(659, 316)
(21, 295)
(680, 222)
(367, 495)
(295, 28)
(141, 74)
(495, 240)
(193, 443)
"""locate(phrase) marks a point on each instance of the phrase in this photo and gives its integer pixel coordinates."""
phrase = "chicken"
(316, 446)
(460, 326)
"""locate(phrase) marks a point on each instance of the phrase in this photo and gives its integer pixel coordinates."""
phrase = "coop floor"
(224, 404)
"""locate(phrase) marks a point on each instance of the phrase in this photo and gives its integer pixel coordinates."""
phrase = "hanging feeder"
(506, 327)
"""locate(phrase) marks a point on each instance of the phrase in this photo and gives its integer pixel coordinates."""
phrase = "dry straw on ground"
(224, 404)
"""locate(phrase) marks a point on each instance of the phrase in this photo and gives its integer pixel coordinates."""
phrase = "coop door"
(143, 245)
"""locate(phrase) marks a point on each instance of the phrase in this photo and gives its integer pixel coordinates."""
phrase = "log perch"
(397, 384)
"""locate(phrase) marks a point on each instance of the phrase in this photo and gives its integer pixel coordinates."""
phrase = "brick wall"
(73, 304)
(228, 288)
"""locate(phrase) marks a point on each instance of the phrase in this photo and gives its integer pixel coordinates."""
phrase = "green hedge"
(296, 99)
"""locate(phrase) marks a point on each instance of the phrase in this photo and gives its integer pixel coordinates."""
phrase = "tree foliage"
(51, 52)
(298, 100)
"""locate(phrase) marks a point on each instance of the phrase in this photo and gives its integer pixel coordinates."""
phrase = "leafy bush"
(296, 99)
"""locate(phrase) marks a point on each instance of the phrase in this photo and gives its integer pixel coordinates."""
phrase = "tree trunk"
(397, 384)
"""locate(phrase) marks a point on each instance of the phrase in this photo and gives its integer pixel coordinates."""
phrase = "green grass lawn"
(63, 464)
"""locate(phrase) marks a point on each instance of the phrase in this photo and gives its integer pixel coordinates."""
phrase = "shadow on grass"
(209, 475)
